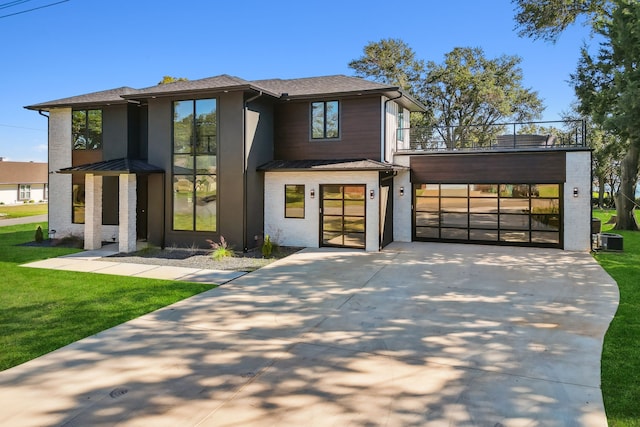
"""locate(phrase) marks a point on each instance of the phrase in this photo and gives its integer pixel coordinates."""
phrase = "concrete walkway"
(89, 262)
(417, 335)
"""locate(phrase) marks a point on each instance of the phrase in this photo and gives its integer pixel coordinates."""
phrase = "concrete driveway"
(417, 335)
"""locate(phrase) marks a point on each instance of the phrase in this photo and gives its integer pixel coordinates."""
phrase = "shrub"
(39, 236)
(267, 247)
(220, 250)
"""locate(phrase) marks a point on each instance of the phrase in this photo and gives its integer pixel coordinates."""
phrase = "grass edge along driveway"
(42, 310)
(620, 365)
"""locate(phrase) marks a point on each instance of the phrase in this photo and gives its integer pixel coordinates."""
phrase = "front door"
(141, 206)
(342, 215)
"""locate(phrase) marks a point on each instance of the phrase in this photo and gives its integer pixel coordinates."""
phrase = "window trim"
(324, 121)
(286, 208)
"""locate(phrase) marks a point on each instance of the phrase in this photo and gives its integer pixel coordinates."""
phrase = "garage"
(489, 198)
(514, 214)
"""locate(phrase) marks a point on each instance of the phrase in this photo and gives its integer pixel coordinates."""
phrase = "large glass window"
(294, 201)
(511, 213)
(78, 205)
(86, 129)
(325, 120)
(195, 147)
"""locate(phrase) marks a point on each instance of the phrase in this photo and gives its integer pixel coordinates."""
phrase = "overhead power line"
(28, 10)
(13, 3)
(22, 127)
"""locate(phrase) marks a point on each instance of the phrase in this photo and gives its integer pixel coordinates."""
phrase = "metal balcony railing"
(505, 136)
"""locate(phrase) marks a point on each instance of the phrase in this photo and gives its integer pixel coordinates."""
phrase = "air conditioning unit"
(610, 242)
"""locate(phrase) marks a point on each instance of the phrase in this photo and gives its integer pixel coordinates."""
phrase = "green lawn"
(42, 310)
(621, 352)
(18, 211)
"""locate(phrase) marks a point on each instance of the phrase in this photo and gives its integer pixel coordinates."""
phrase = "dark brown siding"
(489, 168)
(360, 131)
(85, 157)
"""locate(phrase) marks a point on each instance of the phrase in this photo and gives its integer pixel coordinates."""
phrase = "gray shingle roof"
(322, 85)
(337, 85)
(328, 165)
(114, 167)
(111, 96)
(217, 83)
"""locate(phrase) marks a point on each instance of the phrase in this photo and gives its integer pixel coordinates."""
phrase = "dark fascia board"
(75, 105)
(405, 100)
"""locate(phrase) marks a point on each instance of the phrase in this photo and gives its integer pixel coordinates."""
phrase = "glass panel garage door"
(512, 214)
(343, 216)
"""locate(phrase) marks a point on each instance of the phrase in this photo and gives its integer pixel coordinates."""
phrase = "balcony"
(530, 136)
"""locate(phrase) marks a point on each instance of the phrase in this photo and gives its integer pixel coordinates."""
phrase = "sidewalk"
(24, 220)
(89, 262)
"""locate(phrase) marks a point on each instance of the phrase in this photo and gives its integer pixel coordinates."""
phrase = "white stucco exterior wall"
(402, 203)
(577, 210)
(305, 231)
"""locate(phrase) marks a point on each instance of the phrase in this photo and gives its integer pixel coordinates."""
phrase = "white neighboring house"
(23, 182)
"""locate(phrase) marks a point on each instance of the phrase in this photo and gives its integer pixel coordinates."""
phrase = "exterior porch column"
(127, 213)
(93, 212)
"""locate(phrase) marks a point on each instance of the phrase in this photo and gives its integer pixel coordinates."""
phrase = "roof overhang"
(114, 168)
(329, 165)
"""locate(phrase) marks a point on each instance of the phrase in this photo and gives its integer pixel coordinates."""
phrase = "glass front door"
(343, 219)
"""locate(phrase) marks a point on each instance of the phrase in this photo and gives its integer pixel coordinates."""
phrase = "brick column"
(93, 212)
(127, 213)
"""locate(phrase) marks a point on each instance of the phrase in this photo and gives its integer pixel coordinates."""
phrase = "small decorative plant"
(39, 235)
(267, 246)
(221, 249)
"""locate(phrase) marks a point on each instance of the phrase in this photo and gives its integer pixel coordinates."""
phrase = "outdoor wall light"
(402, 191)
(312, 193)
(371, 194)
(575, 191)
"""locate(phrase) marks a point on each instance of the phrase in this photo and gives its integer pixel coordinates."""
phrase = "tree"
(169, 79)
(607, 85)
(466, 95)
(469, 94)
(390, 61)
(547, 19)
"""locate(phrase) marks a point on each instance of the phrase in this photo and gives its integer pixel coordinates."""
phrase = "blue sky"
(82, 46)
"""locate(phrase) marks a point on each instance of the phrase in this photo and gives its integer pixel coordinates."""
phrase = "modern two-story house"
(320, 161)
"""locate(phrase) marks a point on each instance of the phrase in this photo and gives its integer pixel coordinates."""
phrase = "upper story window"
(195, 150)
(86, 129)
(325, 120)
(400, 135)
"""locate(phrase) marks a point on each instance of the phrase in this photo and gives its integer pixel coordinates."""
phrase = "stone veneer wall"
(60, 188)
